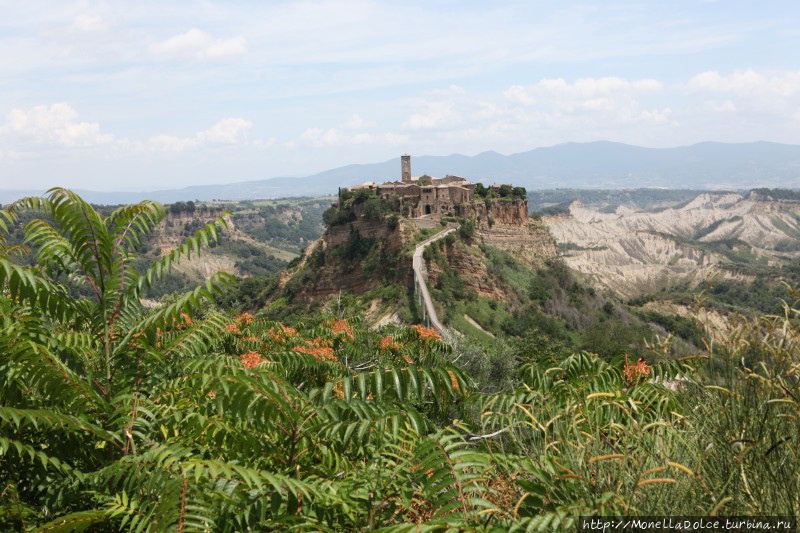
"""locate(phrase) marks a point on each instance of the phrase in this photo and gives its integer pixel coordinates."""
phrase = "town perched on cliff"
(419, 197)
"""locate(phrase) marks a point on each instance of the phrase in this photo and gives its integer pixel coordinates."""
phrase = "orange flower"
(251, 359)
(454, 381)
(426, 334)
(341, 326)
(633, 372)
(245, 319)
(212, 394)
(187, 320)
(250, 338)
(320, 342)
(388, 343)
(280, 333)
(319, 348)
(232, 328)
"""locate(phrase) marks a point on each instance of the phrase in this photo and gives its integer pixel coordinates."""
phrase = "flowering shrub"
(281, 333)
(251, 359)
(319, 348)
(245, 319)
(340, 327)
(389, 344)
(634, 372)
(426, 334)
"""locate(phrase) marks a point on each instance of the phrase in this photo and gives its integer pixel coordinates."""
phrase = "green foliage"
(363, 203)
(778, 194)
(288, 234)
(334, 216)
(608, 200)
(615, 337)
(466, 229)
(182, 207)
(763, 295)
(685, 327)
(355, 248)
(250, 259)
(173, 418)
(554, 210)
(118, 418)
(506, 191)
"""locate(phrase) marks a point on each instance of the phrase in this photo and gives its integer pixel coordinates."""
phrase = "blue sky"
(146, 95)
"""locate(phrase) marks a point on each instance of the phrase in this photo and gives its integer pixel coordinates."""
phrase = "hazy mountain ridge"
(581, 165)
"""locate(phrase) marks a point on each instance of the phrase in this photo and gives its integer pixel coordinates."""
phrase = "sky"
(158, 94)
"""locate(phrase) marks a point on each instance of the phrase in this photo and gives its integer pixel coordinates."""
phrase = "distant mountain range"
(601, 164)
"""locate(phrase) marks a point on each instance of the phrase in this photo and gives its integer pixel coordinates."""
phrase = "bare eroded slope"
(632, 252)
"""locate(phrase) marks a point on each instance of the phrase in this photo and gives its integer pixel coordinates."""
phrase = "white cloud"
(55, 124)
(355, 122)
(321, 137)
(518, 95)
(89, 23)
(749, 83)
(725, 106)
(265, 143)
(349, 133)
(228, 131)
(200, 45)
(749, 93)
(653, 116)
(583, 89)
(436, 114)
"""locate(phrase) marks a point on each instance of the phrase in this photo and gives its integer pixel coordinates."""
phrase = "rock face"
(632, 252)
(530, 241)
(336, 235)
(174, 228)
(322, 274)
(511, 231)
(500, 211)
(471, 268)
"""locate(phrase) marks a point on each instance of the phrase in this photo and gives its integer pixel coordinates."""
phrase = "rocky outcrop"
(322, 273)
(531, 241)
(336, 235)
(470, 264)
(175, 227)
(499, 211)
(631, 252)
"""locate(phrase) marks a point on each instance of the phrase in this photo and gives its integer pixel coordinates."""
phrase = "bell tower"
(405, 167)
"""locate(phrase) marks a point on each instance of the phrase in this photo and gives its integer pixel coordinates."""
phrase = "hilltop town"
(421, 196)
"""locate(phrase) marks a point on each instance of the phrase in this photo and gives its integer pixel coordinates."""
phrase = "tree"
(120, 418)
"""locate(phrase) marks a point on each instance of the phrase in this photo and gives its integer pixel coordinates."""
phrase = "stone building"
(426, 195)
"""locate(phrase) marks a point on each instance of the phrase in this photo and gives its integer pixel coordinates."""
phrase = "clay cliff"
(632, 252)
